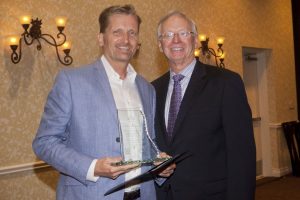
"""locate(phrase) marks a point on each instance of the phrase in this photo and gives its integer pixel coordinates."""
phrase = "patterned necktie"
(174, 104)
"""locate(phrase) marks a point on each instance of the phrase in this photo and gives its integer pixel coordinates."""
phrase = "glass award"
(137, 147)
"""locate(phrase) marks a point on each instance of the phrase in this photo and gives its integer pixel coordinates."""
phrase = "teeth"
(126, 48)
(177, 49)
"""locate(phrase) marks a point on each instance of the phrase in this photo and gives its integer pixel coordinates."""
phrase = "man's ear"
(160, 47)
(196, 42)
(101, 39)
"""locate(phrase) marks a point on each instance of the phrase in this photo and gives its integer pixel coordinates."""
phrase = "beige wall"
(24, 87)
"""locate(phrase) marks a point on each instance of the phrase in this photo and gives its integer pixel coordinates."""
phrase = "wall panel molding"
(281, 164)
(275, 125)
(23, 167)
(279, 172)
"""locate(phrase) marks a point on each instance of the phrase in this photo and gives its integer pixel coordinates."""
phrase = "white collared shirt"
(126, 96)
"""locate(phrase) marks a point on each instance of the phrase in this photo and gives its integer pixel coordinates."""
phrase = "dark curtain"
(296, 28)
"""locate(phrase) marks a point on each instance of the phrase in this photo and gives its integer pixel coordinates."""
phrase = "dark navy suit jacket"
(214, 124)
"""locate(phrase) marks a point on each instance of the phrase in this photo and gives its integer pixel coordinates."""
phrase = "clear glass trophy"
(137, 146)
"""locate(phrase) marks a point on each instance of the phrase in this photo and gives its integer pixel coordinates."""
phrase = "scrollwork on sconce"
(207, 51)
(33, 33)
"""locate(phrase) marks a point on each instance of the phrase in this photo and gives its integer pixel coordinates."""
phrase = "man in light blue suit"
(79, 130)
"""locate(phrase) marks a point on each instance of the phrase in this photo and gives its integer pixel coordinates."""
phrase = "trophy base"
(140, 162)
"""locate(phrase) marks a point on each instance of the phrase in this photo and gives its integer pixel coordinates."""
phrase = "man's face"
(120, 39)
(179, 49)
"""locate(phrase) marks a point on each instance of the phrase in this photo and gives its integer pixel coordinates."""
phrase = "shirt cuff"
(90, 175)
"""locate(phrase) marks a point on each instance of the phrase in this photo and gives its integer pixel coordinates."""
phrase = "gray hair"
(180, 14)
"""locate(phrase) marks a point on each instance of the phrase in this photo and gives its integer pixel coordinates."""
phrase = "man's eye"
(117, 33)
(184, 34)
(132, 33)
(169, 34)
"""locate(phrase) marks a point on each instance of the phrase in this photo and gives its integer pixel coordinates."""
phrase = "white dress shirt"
(126, 96)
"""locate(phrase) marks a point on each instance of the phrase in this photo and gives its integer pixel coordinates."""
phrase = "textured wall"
(24, 87)
(30, 185)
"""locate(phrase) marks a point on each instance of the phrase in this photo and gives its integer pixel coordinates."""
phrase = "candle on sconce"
(220, 40)
(60, 21)
(66, 45)
(25, 19)
(202, 37)
(197, 52)
(13, 42)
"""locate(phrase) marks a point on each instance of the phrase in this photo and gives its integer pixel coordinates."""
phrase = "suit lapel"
(162, 91)
(196, 84)
(143, 95)
(104, 85)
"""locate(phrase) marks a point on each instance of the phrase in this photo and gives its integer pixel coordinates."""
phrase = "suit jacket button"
(118, 139)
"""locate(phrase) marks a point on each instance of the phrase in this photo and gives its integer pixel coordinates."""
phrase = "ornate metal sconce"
(207, 51)
(34, 32)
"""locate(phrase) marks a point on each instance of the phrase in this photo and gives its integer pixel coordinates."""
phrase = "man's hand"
(169, 170)
(105, 168)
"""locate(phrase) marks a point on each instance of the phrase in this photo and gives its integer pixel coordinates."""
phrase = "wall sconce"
(207, 51)
(33, 32)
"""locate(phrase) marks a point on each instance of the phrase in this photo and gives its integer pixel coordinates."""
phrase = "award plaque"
(137, 147)
(150, 174)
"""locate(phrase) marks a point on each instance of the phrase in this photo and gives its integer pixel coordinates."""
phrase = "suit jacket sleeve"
(237, 123)
(51, 141)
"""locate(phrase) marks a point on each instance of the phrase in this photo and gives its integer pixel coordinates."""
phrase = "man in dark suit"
(206, 113)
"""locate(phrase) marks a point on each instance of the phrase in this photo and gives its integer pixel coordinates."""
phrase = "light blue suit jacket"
(80, 124)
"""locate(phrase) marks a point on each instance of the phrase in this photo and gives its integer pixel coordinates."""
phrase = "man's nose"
(126, 37)
(176, 38)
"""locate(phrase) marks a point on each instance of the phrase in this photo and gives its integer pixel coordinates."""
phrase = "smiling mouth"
(123, 48)
(176, 49)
